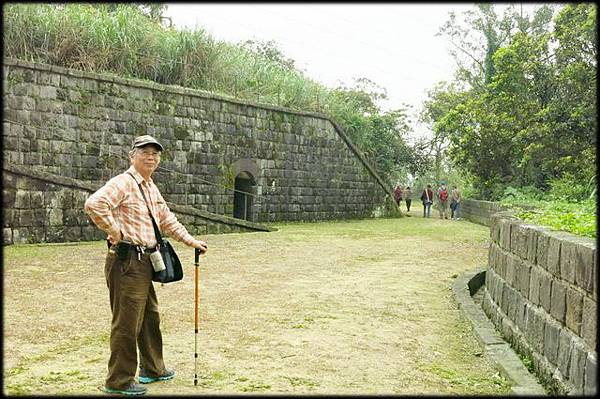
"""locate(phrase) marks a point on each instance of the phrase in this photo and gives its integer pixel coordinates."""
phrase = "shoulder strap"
(154, 225)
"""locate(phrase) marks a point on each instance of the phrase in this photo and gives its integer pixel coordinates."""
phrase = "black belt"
(126, 245)
(144, 250)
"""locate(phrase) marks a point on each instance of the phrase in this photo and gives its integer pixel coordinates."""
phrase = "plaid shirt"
(119, 206)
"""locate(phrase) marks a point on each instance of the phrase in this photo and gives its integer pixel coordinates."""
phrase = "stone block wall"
(479, 211)
(541, 293)
(44, 212)
(79, 125)
(45, 208)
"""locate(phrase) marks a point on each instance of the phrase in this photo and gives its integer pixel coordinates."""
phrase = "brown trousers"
(135, 320)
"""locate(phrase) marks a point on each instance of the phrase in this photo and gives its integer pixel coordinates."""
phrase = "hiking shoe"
(169, 374)
(133, 389)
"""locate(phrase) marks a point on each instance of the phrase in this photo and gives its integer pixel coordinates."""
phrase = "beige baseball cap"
(146, 139)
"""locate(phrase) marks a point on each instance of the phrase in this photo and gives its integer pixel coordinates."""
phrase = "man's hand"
(201, 245)
(115, 240)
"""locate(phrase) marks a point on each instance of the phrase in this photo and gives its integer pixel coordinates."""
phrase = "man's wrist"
(116, 235)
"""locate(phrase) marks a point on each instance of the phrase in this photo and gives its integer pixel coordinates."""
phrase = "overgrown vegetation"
(128, 40)
(552, 210)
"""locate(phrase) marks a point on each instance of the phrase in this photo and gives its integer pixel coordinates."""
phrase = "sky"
(393, 45)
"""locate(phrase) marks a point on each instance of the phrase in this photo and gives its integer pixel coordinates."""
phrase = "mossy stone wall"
(541, 293)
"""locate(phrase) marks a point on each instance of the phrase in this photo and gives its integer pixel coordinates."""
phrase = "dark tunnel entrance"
(242, 202)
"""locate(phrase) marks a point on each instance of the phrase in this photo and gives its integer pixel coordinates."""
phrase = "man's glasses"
(154, 154)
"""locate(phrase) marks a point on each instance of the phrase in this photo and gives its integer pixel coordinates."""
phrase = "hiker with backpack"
(427, 200)
(442, 195)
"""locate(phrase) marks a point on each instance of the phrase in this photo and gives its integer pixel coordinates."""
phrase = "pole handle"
(196, 256)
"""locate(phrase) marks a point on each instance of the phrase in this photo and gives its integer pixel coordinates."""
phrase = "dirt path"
(359, 307)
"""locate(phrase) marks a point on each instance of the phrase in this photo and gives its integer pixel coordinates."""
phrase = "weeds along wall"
(541, 293)
(65, 124)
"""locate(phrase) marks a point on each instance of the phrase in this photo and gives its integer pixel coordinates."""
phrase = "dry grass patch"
(360, 307)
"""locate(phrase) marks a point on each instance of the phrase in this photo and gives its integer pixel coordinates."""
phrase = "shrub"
(569, 187)
(576, 218)
(527, 195)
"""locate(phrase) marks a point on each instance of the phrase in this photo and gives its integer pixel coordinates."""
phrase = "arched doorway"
(242, 202)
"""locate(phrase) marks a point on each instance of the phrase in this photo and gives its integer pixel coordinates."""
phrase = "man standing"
(442, 195)
(427, 199)
(455, 203)
(408, 198)
(121, 210)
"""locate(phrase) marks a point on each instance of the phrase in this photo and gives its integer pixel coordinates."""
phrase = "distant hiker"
(455, 204)
(407, 194)
(442, 195)
(398, 195)
(122, 212)
(427, 199)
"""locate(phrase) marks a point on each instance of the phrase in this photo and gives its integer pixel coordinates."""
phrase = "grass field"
(354, 307)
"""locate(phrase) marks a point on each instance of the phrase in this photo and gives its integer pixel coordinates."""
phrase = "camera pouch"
(173, 270)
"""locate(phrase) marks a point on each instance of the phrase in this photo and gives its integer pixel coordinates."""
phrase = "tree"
(552, 96)
(380, 135)
(475, 40)
(481, 32)
(270, 52)
(442, 98)
(573, 112)
(525, 114)
(384, 138)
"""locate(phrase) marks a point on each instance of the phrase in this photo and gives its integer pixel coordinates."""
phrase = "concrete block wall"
(80, 125)
(541, 293)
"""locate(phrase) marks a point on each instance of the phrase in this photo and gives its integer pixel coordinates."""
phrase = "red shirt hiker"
(398, 195)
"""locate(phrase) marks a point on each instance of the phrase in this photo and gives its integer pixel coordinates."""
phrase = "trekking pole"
(197, 266)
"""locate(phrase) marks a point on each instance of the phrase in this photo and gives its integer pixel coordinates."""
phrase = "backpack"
(444, 195)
